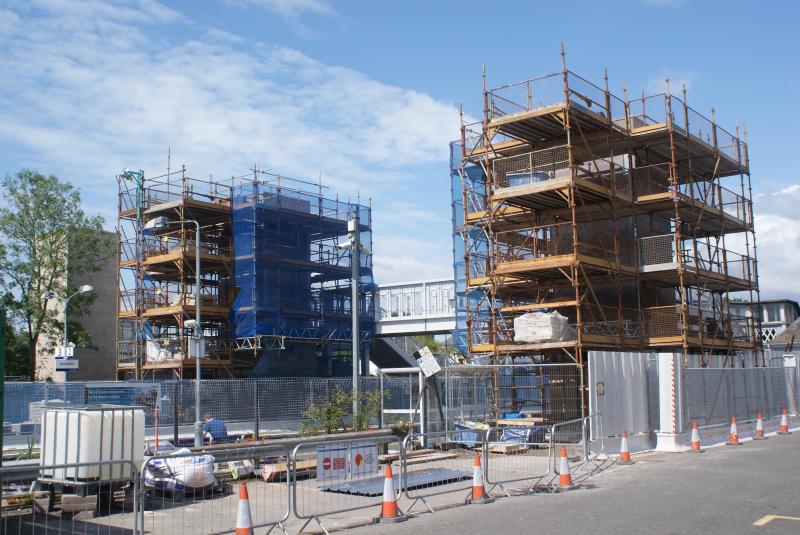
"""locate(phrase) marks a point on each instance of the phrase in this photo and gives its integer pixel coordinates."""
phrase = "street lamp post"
(158, 223)
(356, 249)
(50, 294)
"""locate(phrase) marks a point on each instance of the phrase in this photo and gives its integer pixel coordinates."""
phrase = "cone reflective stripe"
(695, 445)
(759, 435)
(389, 510)
(244, 521)
(479, 494)
(733, 438)
(784, 429)
(564, 477)
(624, 452)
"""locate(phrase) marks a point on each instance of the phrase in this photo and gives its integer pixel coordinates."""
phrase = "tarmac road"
(752, 488)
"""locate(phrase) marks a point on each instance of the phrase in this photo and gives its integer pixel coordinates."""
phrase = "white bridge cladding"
(417, 307)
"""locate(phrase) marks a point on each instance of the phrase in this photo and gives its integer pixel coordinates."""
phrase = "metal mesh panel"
(537, 166)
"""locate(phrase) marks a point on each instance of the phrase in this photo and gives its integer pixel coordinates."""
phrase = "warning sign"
(332, 463)
(427, 362)
(339, 462)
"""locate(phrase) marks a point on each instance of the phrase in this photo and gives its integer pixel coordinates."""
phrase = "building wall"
(96, 363)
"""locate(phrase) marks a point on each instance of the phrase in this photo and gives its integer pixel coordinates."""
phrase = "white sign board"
(66, 365)
(339, 462)
(65, 352)
(427, 362)
(363, 459)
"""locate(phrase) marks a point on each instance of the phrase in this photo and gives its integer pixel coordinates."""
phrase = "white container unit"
(91, 435)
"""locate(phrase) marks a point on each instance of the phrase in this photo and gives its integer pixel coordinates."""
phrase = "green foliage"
(46, 239)
(327, 416)
(332, 415)
(18, 352)
(403, 428)
(369, 410)
(30, 450)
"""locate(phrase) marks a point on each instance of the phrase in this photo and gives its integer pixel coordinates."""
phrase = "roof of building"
(788, 336)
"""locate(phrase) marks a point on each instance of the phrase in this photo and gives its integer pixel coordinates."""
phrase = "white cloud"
(677, 80)
(777, 223)
(287, 8)
(118, 87)
(291, 11)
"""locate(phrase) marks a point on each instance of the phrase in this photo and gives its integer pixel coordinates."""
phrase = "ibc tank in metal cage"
(91, 435)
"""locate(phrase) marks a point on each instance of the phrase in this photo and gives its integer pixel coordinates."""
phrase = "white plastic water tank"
(92, 434)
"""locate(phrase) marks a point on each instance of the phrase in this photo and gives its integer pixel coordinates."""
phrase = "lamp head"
(85, 289)
(157, 223)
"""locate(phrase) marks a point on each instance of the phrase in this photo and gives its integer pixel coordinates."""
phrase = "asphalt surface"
(725, 490)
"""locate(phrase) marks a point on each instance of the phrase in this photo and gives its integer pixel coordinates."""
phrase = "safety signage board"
(67, 365)
(427, 362)
(363, 459)
(332, 463)
(338, 462)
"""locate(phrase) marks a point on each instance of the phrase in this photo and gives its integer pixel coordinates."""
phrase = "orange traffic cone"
(389, 510)
(244, 521)
(759, 435)
(784, 428)
(695, 444)
(478, 490)
(733, 438)
(564, 477)
(624, 452)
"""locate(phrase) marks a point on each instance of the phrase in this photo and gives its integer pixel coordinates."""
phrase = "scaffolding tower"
(631, 217)
(274, 287)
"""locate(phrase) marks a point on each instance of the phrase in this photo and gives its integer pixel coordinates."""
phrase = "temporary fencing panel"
(88, 505)
(189, 493)
(714, 395)
(337, 476)
(618, 389)
(517, 457)
(445, 465)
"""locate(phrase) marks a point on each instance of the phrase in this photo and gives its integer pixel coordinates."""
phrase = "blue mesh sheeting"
(466, 185)
(291, 277)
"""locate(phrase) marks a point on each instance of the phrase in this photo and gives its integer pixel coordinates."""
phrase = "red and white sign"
(332, 463)
(339, 462)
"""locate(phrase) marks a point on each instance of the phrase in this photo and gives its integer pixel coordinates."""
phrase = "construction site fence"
(714, 395)
(332, 482)
(244, 405)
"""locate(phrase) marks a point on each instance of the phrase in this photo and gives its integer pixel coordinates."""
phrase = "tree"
(17, 352)
(47, 239)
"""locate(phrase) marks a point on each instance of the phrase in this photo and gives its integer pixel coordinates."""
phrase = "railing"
(665, 321)
(555, 240)
(653, 179)
(537, 166)
(700, 255)
(548, 90)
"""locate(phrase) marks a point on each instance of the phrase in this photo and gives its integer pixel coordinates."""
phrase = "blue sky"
(366, 93)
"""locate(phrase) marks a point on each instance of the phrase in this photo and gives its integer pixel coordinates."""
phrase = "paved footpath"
(754, 488)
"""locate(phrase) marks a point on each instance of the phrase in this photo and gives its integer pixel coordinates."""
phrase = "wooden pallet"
(430, 458)
(391, 457)
(280, 471)
(506, 448)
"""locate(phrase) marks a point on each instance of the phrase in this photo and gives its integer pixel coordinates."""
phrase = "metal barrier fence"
(517, 457)
(245, 405)
(198, 492)
(714, 395)
(71, 498)
(337, 476)
(451, 472)
(338, 480)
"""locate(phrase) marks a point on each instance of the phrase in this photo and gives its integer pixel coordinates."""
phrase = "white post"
(670, 400)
